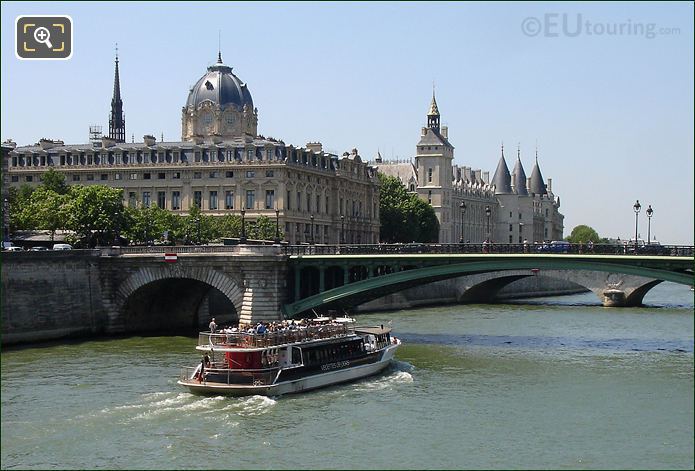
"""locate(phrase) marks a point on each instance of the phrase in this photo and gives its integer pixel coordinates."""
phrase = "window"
(214, 174)
(229, 118)
(90, 177)
(198, 198)
(29, 178)
(162, 199)
(519, 216)
(213, 200)
(15, 178)
(146, 199)
(429, 175)
(132, 199)
(299, 201)
(250, 199)
(510, 214)
(104, 177)
(147, 176)
(287, 201)
(250, 173)
(308, 202)
(229, 174)
(161, 176)
(197, 175)
(197, 156)
(269, 173)
(175, 200)
(269, 199)
(249, 154)
(510, 230)
(429, 197)
(176, 175)
(318, 204)
(510, 238)
(229, 199)
(133, 176)
(117, 176)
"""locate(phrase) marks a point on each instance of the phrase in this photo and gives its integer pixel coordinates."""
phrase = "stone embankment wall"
(50, 295)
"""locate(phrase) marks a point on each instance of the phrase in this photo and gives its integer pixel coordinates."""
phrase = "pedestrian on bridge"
(212, 326)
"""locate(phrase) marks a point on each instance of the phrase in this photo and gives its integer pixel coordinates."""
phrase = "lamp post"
(488, 211)
(5, 220)
(197, 223)
(342, 222)
(277, 226)
(242, 239)
(650, 211)
(463, 211)
(312, 229)
(636, 207)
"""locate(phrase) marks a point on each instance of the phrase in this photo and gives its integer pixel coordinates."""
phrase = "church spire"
(117, 118)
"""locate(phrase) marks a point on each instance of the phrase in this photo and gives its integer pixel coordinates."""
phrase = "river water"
(548, 383)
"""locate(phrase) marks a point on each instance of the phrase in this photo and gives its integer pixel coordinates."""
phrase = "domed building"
(219, 106)
(222, 165)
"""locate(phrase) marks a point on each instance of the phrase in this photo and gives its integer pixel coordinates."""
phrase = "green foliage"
(95, 213)
(404, 217)
(263, 228)
(46, 208)
(146, 225)
(584, 234)
(54, 181)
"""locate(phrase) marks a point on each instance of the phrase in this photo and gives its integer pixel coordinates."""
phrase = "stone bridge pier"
(612, 289)
(143, 292)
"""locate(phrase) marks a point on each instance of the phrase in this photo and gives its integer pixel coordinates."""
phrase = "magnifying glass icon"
(43, 36)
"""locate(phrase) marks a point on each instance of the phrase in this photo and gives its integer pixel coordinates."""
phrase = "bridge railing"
(493, 248)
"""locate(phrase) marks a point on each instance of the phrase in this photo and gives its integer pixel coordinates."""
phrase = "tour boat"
(296, 357)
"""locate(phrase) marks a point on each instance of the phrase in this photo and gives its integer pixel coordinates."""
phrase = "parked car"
(556, 246)
(38, 248)
(62, 247)
(14, 248)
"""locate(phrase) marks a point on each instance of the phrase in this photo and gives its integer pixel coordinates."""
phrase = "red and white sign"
(170, 257)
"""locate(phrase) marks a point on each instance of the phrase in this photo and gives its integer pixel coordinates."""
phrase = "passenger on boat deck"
(206, 361)
(212, 326)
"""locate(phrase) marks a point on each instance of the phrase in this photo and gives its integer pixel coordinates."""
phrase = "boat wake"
(398, 373)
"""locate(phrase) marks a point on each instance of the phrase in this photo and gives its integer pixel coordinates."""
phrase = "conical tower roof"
(434, 111)
(519, 177)
(537, 185)
(502, 179)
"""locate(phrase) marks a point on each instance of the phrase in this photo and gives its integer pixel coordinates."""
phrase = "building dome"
(220, 87)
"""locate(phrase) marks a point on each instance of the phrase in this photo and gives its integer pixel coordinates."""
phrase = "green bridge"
(324, 277)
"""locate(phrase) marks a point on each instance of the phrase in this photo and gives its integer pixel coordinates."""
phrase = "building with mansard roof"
(222, 165)
(470, 208)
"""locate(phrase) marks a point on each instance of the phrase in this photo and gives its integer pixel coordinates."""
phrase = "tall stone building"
(470, 208)
(223, 166)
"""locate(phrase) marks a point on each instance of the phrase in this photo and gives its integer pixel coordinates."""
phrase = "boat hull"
(296, 385)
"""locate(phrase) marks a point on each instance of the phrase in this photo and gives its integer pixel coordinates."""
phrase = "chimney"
(445, 132)
(550, 185)
(149, 140)
(423, 132)
(486, 177)
(315, 147)
(107, 142)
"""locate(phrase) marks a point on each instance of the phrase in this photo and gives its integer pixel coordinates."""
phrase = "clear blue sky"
(612, 113)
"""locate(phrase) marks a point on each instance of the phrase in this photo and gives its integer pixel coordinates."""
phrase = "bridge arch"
(372, 288)
(179, 291)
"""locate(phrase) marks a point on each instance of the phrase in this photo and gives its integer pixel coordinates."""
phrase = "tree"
(583, 234)
(54, 181)
(403, 216)
(95, 213)
(47, 210)
(144, 225)
(262, 229)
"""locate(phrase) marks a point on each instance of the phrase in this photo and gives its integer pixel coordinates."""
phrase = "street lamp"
(197, 223)
(650, 211)
(488, 211)
(463, 211)
(242, 239)
(342, 222)
(636, 207)
(277, 226)
(312, 229)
